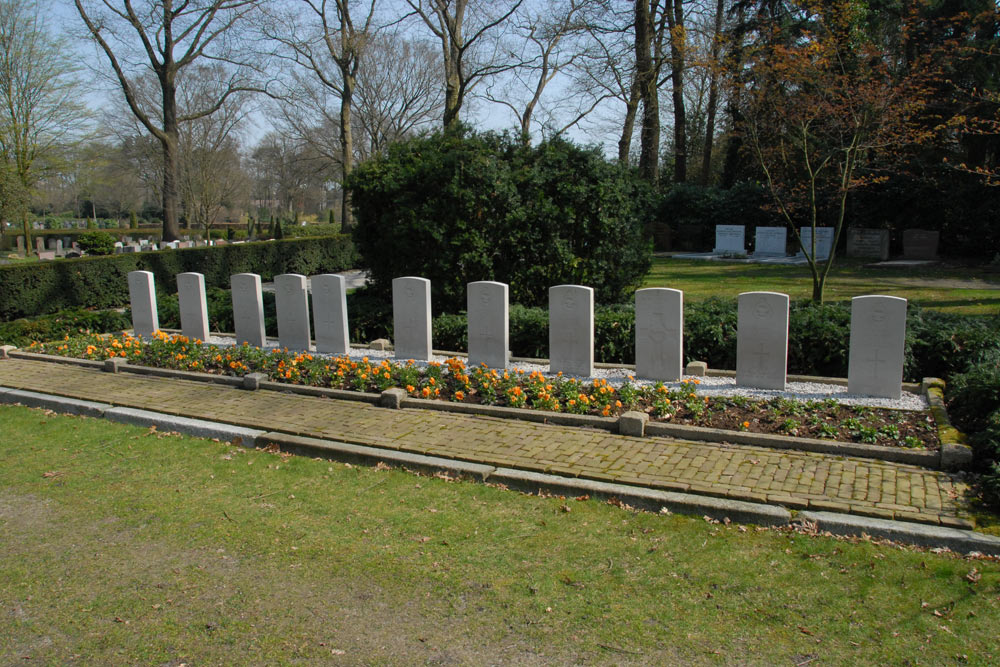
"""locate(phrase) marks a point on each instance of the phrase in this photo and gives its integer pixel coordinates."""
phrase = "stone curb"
(71, 406)
(55, 359)
(963, 541)
(195, 427)
(540, 416)
(955, 454)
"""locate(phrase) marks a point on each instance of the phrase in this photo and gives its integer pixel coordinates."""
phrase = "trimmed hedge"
(102, 282)
(22, 332)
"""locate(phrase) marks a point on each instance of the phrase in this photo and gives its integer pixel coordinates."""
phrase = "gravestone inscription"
(193, 305)
(770, 242)
(762, 340)
(248, 309)
(878, 339)
(824, 242)
(411, 317)
(659, 334)
(488, 323)
(292, 302)
(729, 239)
(873, 243)
(329, 301)
(571, 329)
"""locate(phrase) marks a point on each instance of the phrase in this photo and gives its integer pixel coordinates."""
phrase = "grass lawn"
(958, 289)
(124, 546)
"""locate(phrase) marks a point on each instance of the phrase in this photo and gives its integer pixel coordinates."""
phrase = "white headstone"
(488, 322)
(571, 329)
(878, 338)
(248, 309)
(411, 318)
(292, 301)
(762, 340)
(729, 239)
(824, 241)
(329, 301)
(770, 242)
(193, 305)
(142, 294)
(659, 334)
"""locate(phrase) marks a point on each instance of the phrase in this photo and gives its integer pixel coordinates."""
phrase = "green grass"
(123, 546)
(966, 290)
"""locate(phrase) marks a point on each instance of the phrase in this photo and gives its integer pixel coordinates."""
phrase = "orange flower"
(425, 392)
(746, 424)
(459, 396)
(409, 388)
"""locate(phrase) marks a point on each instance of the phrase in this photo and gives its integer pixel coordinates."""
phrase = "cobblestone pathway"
(794, 479)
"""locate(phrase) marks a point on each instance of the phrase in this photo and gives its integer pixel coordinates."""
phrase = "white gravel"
(707, 386)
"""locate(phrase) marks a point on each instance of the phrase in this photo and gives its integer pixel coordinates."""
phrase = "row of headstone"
(918, 244)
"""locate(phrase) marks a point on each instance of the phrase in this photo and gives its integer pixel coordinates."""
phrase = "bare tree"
(651, 32)
(167, 37)
(470, 35)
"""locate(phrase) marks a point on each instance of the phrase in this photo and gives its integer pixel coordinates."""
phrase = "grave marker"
(142, 295)
(20, 245)
(292, 301)
(878, 337)
(411, 317)
(193, 305)
(770, 242)
(39, 244)
(488, 322)
(571, 329)
(762, 340)
(920, 244)
(729, 239)
(248, 309)
(329, 302)
(824, 242)
(659, 334)
(872, 243)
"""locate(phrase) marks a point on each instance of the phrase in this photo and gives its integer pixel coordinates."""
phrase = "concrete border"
(955, 454)
(964, 541)
(73, 406)
(195, 427)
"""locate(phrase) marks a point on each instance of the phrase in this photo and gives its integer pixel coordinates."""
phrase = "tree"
(167, 38)
(818, 111)
(39, 95)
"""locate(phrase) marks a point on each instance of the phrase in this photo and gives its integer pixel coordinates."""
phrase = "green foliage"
(133, 220)
(311, 230)
(101, 282)
(459, 207)
(23, 331)
(96, 243)
(693, 211)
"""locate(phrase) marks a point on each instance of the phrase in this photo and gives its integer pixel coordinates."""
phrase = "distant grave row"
(67, 247)
(861, 243)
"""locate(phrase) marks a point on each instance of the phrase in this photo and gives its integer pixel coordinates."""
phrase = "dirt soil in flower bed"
(455, 382)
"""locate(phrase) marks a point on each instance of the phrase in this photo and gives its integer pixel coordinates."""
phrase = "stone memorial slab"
(47, 254)
(571, 329)
(870, 243)
(878, 337)
(489, 323)
(770, 242)
(130, 247)
(824, 242)
(920, 244)
(659, 334)
(39, 244)
(762, 340)
(292, 301)
(248, 309)
(20, 245)
(729, 239)
(142, 295)
(193, 305)
(329, 302)
(411, 317)
(52, 241)
(59, 248)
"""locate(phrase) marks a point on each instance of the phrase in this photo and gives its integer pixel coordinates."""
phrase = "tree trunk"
(631, 107)
(171, 229)
(649, 135)
(678, 40)
(346, 151)
(713, 96)
(27, 233)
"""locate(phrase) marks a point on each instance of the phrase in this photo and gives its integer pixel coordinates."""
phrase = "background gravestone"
(659, 334)
(488, 322)
(770, 242)
(20, 245)
(872, 243)
(411, 318)
(142, 295)
(762, 340)
(729, 239)
(878, 338)
(39, 244)
(824, 242)
(571, 329)
(193, 305)
(292, 301)
(920, 244)
(248, 309)
(329, 300)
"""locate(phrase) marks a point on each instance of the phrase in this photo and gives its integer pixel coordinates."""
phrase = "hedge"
(101, 282)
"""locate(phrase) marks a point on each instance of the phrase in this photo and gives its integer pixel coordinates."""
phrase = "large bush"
(102, 282)
(458, 207)
(22, 332)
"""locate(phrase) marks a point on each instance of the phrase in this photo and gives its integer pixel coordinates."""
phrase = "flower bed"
(454, 381)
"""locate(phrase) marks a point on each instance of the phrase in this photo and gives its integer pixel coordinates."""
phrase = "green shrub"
(219, 303)
(101, 282)
(96, 243)
(459, 207)
(45, 328)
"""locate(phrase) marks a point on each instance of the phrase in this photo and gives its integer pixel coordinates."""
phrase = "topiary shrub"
(96, 243)
(459, 206)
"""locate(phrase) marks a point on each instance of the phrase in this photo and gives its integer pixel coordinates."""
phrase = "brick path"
(793, 479)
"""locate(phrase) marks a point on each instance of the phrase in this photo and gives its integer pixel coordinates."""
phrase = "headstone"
(142, 295)
(571, 329)
(47, 254)
(193, 305)
(871, 243)
(126, 239)
(248, 309)
(130, 247)
(920, 244)
(292, 301)
(411, 318)
(52, 241)
(329, 302)
(39, 245)
(488, 322)
(221, 242)
(729, 239)
(59, 248)
(20, 245)
(770, 242)
(762, 340)
(824, 242)
(659, 333)
(878, 336)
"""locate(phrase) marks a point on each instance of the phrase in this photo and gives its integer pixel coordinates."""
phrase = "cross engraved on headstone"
(761, 355)
(874, 360)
